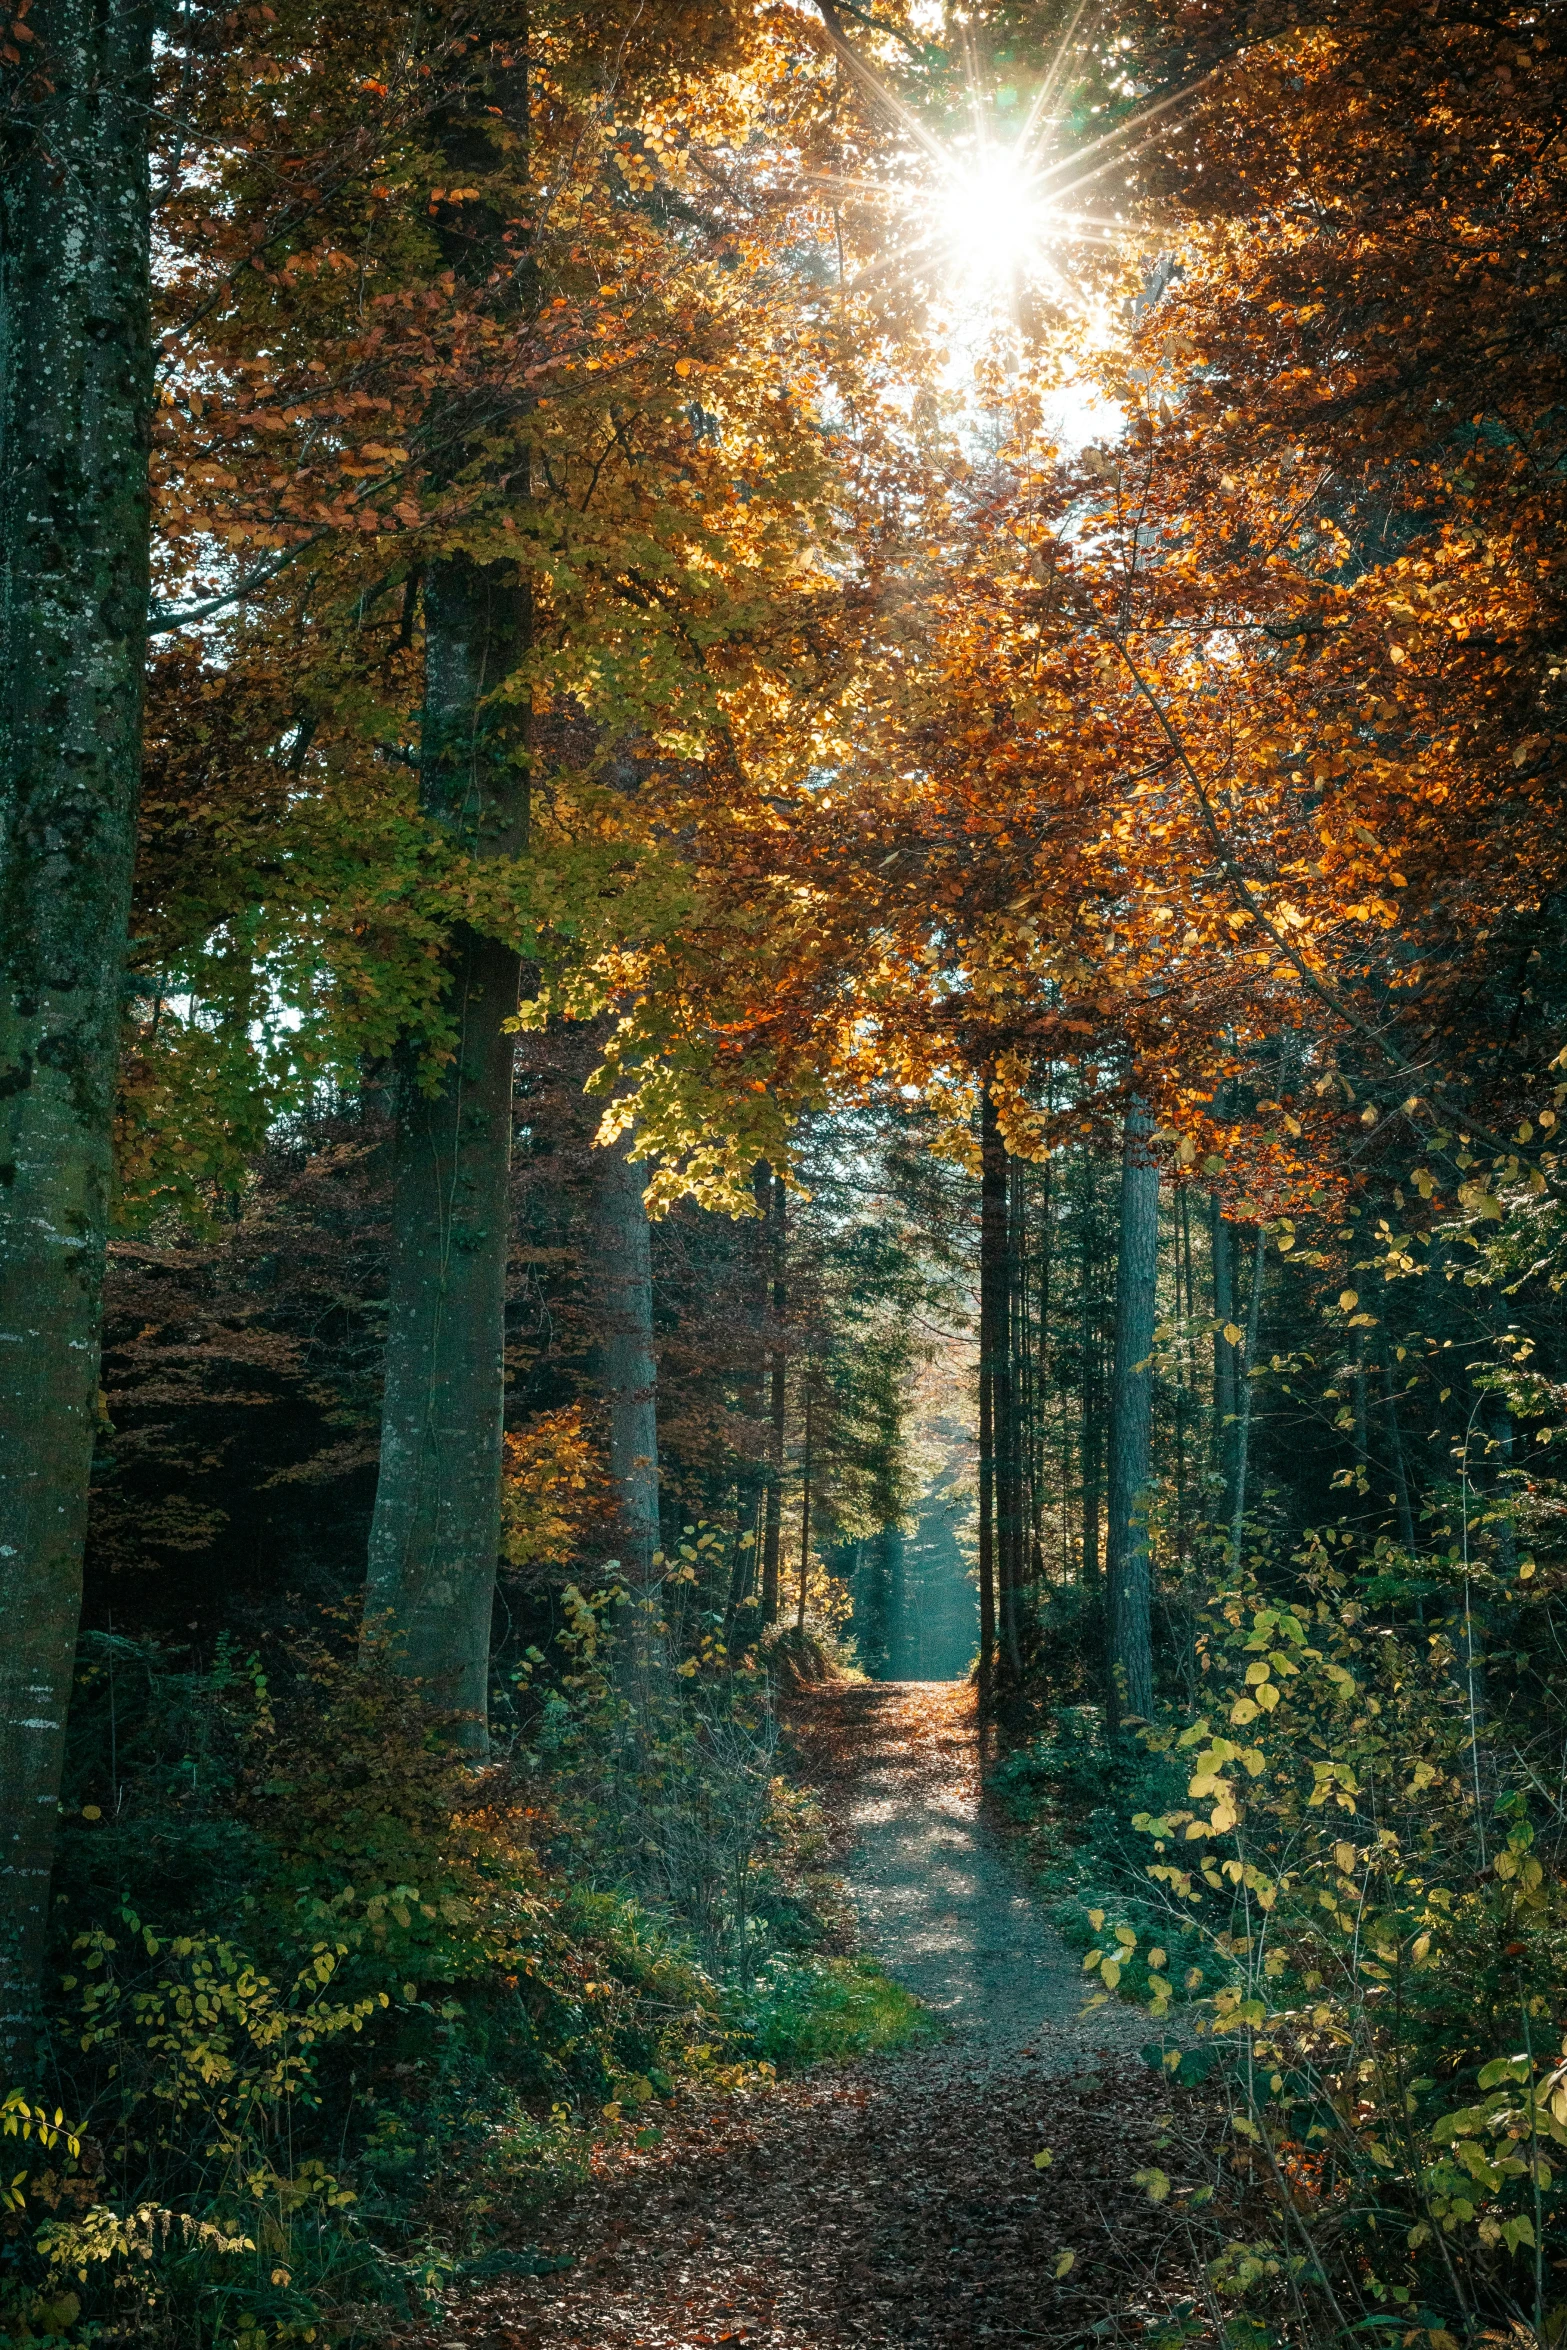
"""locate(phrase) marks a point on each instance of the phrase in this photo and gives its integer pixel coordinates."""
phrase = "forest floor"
(895, 2200)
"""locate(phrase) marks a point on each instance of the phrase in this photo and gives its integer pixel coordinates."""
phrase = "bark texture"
(75, 400)
(1131, 1420)
(435, 1536)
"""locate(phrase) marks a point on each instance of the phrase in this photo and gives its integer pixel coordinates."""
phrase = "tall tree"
(75, 404)
(1131, 1419)
(435, 1537)
(1000, 1523)
(434, 1543)
(1090, 1384)
(778, 1397)
(622, 1280)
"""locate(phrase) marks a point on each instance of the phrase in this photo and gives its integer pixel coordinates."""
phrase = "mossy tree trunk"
(75, 403)
(435, 1536)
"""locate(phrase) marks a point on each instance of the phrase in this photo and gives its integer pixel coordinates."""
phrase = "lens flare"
(991, 218)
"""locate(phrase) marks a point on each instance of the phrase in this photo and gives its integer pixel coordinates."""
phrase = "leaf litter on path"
(895, 2201)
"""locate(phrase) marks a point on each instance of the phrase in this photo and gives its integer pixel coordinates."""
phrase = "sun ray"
(1068, 49)
(1145, 116)
(990, 209)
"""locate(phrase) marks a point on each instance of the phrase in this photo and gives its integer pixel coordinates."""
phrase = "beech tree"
(75, 403)
(435, 1540)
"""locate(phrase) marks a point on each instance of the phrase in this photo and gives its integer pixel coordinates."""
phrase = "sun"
(991, 217)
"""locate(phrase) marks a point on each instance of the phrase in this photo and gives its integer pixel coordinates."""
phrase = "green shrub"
(325, 2022)
(1333, 1864)
(802, 2012)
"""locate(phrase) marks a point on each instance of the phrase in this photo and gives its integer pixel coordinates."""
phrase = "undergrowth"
(337, 2014)
(1334, 1881)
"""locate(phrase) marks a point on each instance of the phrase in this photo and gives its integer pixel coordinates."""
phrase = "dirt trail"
(896, 2201)
(939, 1901)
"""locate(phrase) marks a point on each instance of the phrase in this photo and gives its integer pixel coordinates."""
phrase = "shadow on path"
(939, 1901)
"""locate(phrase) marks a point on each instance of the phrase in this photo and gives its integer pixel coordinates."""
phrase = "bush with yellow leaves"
(1384, 1990)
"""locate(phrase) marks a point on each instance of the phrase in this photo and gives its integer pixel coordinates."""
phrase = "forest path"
(895, 2201)
(898, 1764)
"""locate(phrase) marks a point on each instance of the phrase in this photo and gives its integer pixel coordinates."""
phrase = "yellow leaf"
(1156, 2181)
(1346, 1856)
(1110, 1973)
(1349, 1299)
(1233, 1333)
(1064, 2261)
(1043, 2159)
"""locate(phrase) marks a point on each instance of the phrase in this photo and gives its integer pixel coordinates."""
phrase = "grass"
(828, 2011)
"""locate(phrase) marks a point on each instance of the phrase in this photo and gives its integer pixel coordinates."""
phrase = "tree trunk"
(1395, 1438)
(621, 1242)
(1091, 1419)
(891, 1539)
(805, 1509)
(1020, 1356)
(75, 400)
(1043, 1356)
(1177, 1216)
(1131, 1421)
(1502, 1484)
(1222, 1244)
(778, 1376)
(1243, 1417)
(987, 1536)
(995, 1349)
(435, 1533)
